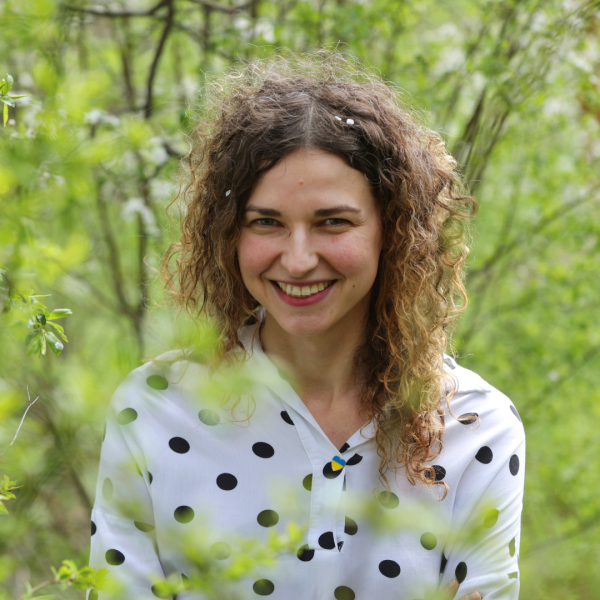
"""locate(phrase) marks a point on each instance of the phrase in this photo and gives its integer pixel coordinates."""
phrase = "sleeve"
(123, 528)
(482, 552)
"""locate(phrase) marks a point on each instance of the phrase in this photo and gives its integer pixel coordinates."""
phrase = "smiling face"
(310, 243)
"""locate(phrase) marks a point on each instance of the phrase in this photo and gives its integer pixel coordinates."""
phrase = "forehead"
(309, 176)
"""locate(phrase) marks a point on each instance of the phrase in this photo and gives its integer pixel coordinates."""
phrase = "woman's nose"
(299, 257)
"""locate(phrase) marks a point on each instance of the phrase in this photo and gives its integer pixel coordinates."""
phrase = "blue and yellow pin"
(332, 469)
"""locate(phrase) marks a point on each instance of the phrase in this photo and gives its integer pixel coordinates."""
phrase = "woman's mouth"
(303, 295)
(304, 290)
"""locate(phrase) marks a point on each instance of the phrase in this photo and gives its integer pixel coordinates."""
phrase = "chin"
(303, 326)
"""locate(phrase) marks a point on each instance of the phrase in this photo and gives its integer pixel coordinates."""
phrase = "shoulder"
(155, 385)
(476, 405)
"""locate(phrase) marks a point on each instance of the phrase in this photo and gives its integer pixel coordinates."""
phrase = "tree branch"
(124, 13)
(159, 49)
(226, 9)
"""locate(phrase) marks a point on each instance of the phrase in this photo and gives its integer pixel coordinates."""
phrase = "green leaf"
(21, 96)
(43, 342)
(58, 329)
(8, 100)
(30, 336)
(10, 82)
(41, 319)
(35, 347)
(59, 313)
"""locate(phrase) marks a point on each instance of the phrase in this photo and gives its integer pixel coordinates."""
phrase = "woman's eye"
(335, 222)
(265, 222)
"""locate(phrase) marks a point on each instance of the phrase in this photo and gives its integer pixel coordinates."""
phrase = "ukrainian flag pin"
(332, 469)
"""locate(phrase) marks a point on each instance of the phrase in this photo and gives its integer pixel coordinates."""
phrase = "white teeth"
(305, 290)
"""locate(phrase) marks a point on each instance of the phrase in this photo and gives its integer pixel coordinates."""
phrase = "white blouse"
(174, 467)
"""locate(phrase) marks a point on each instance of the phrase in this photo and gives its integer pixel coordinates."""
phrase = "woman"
(324, 233)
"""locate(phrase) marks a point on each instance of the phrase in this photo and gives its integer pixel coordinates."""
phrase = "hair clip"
(228, 192)
(350, 121)
(338, 118)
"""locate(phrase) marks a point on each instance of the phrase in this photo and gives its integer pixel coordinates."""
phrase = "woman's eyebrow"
(327, 212)
(265, 212)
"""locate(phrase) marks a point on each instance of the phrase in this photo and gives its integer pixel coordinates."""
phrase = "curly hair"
(259, 114)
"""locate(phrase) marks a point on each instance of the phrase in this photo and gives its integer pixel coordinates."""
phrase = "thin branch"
(29, 405)
(505, 249)
(159, 49)
(124, 13)
(589, 355)
(113, 253)
(226, 9)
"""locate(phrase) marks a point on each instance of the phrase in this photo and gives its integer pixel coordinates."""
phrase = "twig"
(23, 419)
(159, 49)
(226, 9)
(124, 13)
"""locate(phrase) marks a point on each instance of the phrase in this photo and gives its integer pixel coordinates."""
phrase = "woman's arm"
(123, 537)
(482, 552)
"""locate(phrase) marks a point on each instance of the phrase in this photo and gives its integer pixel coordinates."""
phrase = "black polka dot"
(263, 449)
(330, 473)
(263, 587)
(344, 448)
(461, 572)
(227, 481)
(513, 464)
(511, 547)
(344, 593)
(350, 526)
(389, 568)
(107, 489)
(440, 472)
(179, 445)
(220, 551)
(485, 455)
(388, 499)
(150, 478)
(354, 460)
(94, 529)
(184, 514)
(428, 541)
(515, 412)
(491, 518)
(468, 418)
(145, 527)
(305, 553)
(443, 563)
(161, 590)
(513, 575)
(209, 417)
(267, 518)
(158, 382)
(326, 540)
(286, 417)
(307, 482)
(114, 557)
(126, 416)
(340, 544)
(93, 595)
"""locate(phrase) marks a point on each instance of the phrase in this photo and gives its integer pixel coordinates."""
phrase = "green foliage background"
(88, 164)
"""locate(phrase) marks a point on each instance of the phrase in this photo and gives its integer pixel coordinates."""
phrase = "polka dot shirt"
(173, 465)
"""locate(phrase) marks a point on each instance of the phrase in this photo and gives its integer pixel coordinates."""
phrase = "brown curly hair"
(259, 114)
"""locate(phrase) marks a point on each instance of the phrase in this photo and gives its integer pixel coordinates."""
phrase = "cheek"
(354, 257)
(255, 254)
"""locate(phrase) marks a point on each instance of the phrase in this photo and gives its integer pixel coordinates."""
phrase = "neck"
(322, 367)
